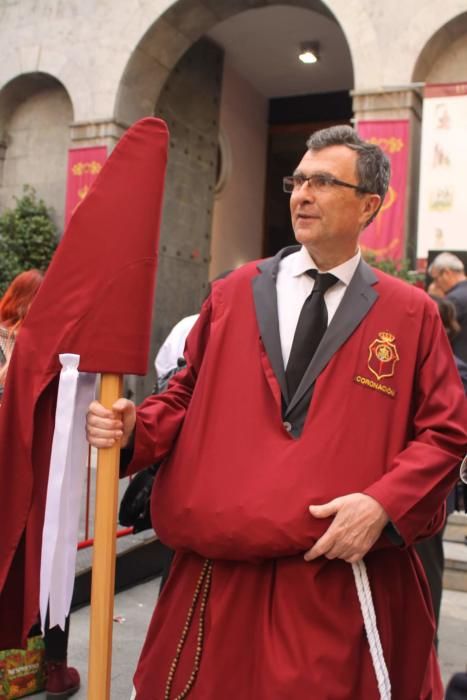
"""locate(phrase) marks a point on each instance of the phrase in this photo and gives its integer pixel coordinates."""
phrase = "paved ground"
(133, 609)
(453, 633)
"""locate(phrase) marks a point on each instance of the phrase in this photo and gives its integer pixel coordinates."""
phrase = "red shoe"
(62, 680)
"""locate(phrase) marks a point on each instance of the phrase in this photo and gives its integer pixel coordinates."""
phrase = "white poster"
(442, 211)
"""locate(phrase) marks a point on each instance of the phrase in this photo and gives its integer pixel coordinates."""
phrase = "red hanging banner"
(84, 165)
(385, 237)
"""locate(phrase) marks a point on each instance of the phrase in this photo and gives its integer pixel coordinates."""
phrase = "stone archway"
(171, 35)
(35, 114)
(444, 56)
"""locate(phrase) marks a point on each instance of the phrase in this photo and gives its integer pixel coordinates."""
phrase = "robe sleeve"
(415, 487)
(160, 417)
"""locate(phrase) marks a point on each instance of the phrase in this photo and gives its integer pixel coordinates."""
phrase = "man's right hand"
(104, 427)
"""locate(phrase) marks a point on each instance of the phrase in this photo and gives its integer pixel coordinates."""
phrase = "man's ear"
(371, 203)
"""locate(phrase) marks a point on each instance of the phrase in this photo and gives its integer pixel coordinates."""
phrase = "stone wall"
(113, 57)
(101, 64)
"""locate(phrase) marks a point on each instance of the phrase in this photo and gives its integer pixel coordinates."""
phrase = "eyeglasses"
(320, 182)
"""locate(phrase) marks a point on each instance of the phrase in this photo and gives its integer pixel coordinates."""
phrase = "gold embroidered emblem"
(383, 355)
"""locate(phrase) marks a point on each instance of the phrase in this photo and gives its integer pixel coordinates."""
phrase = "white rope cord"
(369, 618)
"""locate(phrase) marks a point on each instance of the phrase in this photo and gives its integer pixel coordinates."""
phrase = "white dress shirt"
(173, 346)
(294, 286)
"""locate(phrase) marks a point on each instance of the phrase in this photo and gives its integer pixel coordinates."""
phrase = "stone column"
(101, 132)
(399, 103)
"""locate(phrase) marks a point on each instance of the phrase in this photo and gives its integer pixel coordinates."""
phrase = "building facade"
(77, 73)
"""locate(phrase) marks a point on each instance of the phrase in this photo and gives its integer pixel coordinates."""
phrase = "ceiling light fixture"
(309, 52)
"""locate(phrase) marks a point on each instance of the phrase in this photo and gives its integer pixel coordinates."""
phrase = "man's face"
(444, 278)
(330, 218)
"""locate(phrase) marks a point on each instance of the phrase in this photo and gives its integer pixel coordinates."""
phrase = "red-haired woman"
(14, 306)
(62, 680)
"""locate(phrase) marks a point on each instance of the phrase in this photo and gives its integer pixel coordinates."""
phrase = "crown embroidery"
(383, 355)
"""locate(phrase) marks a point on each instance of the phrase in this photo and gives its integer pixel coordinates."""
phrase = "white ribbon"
(64, 491)
(369, 618)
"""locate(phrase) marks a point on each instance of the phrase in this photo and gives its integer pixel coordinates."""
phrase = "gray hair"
(446, 261)
(373, 166)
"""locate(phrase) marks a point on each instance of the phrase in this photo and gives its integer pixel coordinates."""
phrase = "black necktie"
(311, 326)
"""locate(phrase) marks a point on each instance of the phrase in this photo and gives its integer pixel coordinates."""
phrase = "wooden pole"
(103, 566)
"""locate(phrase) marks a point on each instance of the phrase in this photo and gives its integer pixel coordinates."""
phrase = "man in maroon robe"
(279, 493)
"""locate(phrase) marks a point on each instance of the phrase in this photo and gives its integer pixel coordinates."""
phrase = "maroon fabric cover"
(236, 488)
(95, 301)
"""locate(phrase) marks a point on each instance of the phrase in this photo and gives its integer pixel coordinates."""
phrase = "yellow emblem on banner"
(383, 355)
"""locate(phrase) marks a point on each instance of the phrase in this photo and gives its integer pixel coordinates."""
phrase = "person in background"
(434, 290)
(14, 306)
(170, 357)
(447, 271)
(448, 314)
(62, 680)
(172, 349)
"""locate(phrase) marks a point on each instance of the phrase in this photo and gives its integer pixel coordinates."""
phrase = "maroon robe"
(387, 418)
(95, 301)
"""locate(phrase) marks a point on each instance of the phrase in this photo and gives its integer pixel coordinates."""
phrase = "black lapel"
(265, 298)
(356, 302)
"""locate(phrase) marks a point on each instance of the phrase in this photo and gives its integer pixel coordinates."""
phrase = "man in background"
(447, 270)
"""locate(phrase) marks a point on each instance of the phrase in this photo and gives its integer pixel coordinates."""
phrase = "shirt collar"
(344, 272)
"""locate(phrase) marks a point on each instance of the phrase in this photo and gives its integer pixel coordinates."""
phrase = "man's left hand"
(358, 523)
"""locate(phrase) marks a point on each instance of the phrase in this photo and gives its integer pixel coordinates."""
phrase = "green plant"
(28, 237)
(396, 268)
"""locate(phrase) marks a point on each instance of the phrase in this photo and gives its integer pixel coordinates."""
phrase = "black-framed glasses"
(318, 182)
